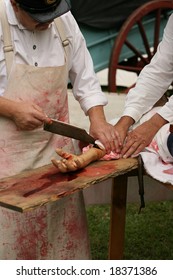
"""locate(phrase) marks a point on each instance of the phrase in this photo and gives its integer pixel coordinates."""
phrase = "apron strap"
(64, 40)
(8, 47)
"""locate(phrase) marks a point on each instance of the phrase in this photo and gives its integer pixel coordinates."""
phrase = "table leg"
(118, 216)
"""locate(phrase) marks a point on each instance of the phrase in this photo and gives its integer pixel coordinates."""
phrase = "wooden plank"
(32, 189)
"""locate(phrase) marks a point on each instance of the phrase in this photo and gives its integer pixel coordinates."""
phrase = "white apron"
(57, 230)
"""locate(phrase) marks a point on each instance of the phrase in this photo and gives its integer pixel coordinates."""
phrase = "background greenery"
(149, 235)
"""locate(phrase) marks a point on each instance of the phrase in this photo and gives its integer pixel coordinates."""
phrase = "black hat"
(44, 10)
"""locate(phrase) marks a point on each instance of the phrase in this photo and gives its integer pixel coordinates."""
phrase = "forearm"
(7, 107)
(156, 122)
(125, 122)
(96, 114)
(166, 110)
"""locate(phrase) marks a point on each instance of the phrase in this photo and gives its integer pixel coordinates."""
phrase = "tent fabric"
(103, 14)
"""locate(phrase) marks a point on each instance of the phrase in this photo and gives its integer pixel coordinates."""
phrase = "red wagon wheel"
(144, 41)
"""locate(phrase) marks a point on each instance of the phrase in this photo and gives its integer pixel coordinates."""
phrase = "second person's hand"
(141, 136)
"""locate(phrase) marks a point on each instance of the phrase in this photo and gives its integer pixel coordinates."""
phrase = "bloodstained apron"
(57, 230)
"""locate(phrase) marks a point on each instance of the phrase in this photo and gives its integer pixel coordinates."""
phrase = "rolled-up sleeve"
(154, 80)
(86, 86)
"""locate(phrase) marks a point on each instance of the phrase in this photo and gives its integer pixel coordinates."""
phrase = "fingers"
(63, 154)
(40, 116)
(35, 123)
(59, 164)
(47, 120)
(116, 142)
(111, 141)
(64, 165)
(69, 162)
(133, 146)
(31, 125)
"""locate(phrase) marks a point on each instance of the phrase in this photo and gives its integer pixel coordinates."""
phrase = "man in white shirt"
(42, 49)
(152, 83)
(37, 58)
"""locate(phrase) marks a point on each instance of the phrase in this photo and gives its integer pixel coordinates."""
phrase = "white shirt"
(153, 81)
(44, 48)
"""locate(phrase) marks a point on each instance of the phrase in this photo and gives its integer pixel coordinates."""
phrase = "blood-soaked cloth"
(157, 159)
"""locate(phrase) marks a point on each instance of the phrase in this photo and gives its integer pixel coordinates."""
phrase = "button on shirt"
(44, 48)
(153, 81)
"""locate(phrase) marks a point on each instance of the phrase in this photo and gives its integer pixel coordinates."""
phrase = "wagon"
(121, 34)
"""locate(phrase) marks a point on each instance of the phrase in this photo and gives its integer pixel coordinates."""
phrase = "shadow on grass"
(148, 236)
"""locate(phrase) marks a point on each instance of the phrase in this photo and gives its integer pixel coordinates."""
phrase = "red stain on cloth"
(27, 236)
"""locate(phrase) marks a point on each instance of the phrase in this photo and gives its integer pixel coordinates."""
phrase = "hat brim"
(61, 9)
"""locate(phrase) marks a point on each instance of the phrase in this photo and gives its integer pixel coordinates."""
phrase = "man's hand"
(107, 135)
(28, 116)
(137, 140)
(142, 136)
(122, 127)
(101, 130)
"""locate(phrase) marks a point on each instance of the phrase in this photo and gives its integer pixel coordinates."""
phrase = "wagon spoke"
(145, 40)
(157, 30)
(129, 68)
(135, 51)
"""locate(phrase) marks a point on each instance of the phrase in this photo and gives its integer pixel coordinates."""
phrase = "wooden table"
(34, 188)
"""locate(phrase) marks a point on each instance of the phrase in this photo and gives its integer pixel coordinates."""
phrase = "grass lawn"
(149, 235)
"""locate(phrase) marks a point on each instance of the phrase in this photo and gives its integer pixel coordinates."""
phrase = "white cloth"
(156, 168)
(158, 162)
(153, 81)
(45, 49)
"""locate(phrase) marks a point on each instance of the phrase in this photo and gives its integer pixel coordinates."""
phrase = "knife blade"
(68, 130)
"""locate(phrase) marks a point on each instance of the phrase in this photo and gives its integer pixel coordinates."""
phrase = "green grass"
(149, 235)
